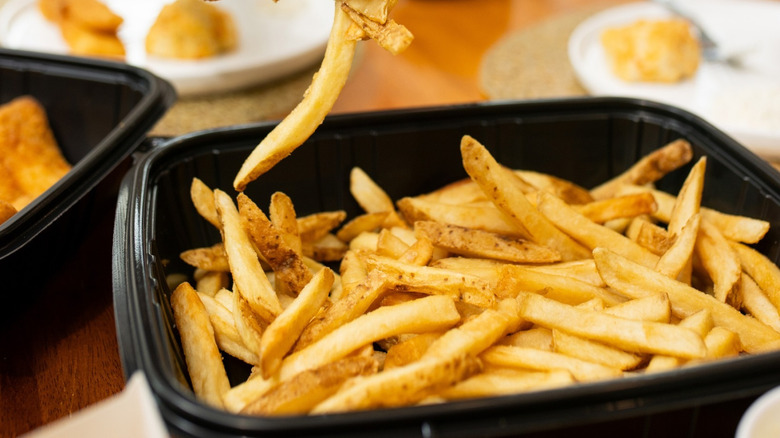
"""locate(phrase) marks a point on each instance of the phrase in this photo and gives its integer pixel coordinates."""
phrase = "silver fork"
(710, 50)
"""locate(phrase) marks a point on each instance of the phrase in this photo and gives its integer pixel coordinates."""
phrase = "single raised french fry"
(204, 362)
(762, 270)
(304, 119)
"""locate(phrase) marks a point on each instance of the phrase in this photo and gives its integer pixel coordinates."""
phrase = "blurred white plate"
(745, 103)
(275, 39)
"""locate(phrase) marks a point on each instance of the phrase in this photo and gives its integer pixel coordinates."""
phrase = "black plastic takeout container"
(100, 113)
(409, 152)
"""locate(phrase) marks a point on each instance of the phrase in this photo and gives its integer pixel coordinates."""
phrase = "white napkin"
(132, 413)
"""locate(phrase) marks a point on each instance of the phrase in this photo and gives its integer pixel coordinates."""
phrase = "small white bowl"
(762, 419)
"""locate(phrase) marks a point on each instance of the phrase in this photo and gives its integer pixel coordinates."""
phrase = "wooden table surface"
(61, 354)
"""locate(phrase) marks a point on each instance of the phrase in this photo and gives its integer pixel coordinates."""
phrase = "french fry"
(540, 338)
(514, 279)
(423, 315)
(284, 260)
(721, 263)
(762, 270)
(646, 234)
(315, 226)
(594, 352)
(212, 258)
(491, 384)
(678, 256)
(630, 335)
(700, 322)
(248, 275)
(248, 325)
(282, 333)
(299, 124)
(757, 303)
(590, 234)
(501, 185)
(477, 243)
(204, 362)
(363, 223)
(410, 350)
(529, 358)
(225, 333)
(648, 169)
(413, 278)
(203, 199)
(570, 192)
(328, 248)
(626, 206)
(655, 308)
(636, 281)
(462, 215)
(583, 270)
(307, 389)
(210, 282)
(281, 212)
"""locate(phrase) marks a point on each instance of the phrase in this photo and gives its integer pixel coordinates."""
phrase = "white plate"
(275, 39)
(745, 104)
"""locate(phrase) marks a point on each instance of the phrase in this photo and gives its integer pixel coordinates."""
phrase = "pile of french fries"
(507, 282)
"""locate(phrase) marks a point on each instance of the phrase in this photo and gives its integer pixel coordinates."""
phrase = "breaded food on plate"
(30, 159)
(191, 29)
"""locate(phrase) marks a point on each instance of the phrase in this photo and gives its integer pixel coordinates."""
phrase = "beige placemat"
(533, 62)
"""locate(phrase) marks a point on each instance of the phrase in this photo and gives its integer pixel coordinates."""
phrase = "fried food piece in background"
(191, 29)
(652, 50)
(88, 27)
(30, 159)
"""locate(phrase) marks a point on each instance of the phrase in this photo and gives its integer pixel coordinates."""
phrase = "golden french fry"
(225, 331)
(248, 274)
(678, 256)
(700, 322)
(284, 261)
(403, 385)
(649, 168)
(364, 223)
(299, 124)
(462, 215)
(315, 226)
(630, 335)
(372, 9)
(203, 199)
(540, 338)
(655, 308)
(307, 389)
(757, 303)
(529, 358)
(427, 314)
(646, 234)
(210, 282)
(212, 258)
(281, 212)
(636, 281)
(570, 192)
(721, 263)
(413, 278)
(389, 245)
(248, 325)
(409, 350)
(419, 253)
(505, 382)
(626, 206)
(594, 352)
(282, 333)
(204, 362)
(515, 279)
(502, 186)
(688, 203)
(328, 248)
(477, 243)
(583, 270)
(590, 234)
(762, 270)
